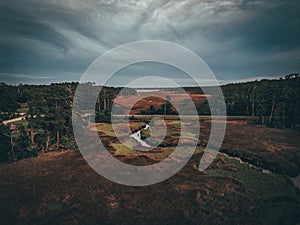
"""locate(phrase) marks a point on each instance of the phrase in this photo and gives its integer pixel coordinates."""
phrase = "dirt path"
(5, 122)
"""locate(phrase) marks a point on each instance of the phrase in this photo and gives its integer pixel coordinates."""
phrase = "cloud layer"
(44, 41)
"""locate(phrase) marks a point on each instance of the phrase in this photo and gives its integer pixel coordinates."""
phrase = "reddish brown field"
(155, 100)
(61, 188)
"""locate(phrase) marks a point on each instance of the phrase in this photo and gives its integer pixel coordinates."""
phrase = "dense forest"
(275, 102)
(46, 122)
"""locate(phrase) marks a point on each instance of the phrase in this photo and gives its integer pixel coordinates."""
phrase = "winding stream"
(244, 162)
(137, 137)
(296, 180)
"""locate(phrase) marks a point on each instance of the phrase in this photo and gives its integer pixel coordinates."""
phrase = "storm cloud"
(43, 41)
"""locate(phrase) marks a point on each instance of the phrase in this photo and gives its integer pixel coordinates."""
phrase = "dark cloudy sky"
(45, 41)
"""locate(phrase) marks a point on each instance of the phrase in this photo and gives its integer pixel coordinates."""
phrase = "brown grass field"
(61, 188)
(156, 101)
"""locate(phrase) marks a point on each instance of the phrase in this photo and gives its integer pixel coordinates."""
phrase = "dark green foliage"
(152, 111)
(4, 142)
(165, 109)
(20, 145)
(48, 115)
(103, 116)
(203, 109)
(274, 102)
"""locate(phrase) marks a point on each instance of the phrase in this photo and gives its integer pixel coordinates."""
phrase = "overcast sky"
(44, 41)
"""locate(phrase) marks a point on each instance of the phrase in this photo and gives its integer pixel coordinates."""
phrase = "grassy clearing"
(273, 149)
(166, 147)
(22, 110)
(121, 149)
(268, 190)
(107, 130)
(126, 148)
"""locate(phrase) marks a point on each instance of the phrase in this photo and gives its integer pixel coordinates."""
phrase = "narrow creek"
(137, 137)
(295, 180)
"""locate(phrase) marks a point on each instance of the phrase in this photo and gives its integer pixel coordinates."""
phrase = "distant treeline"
(48, 120)
(275, 102)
